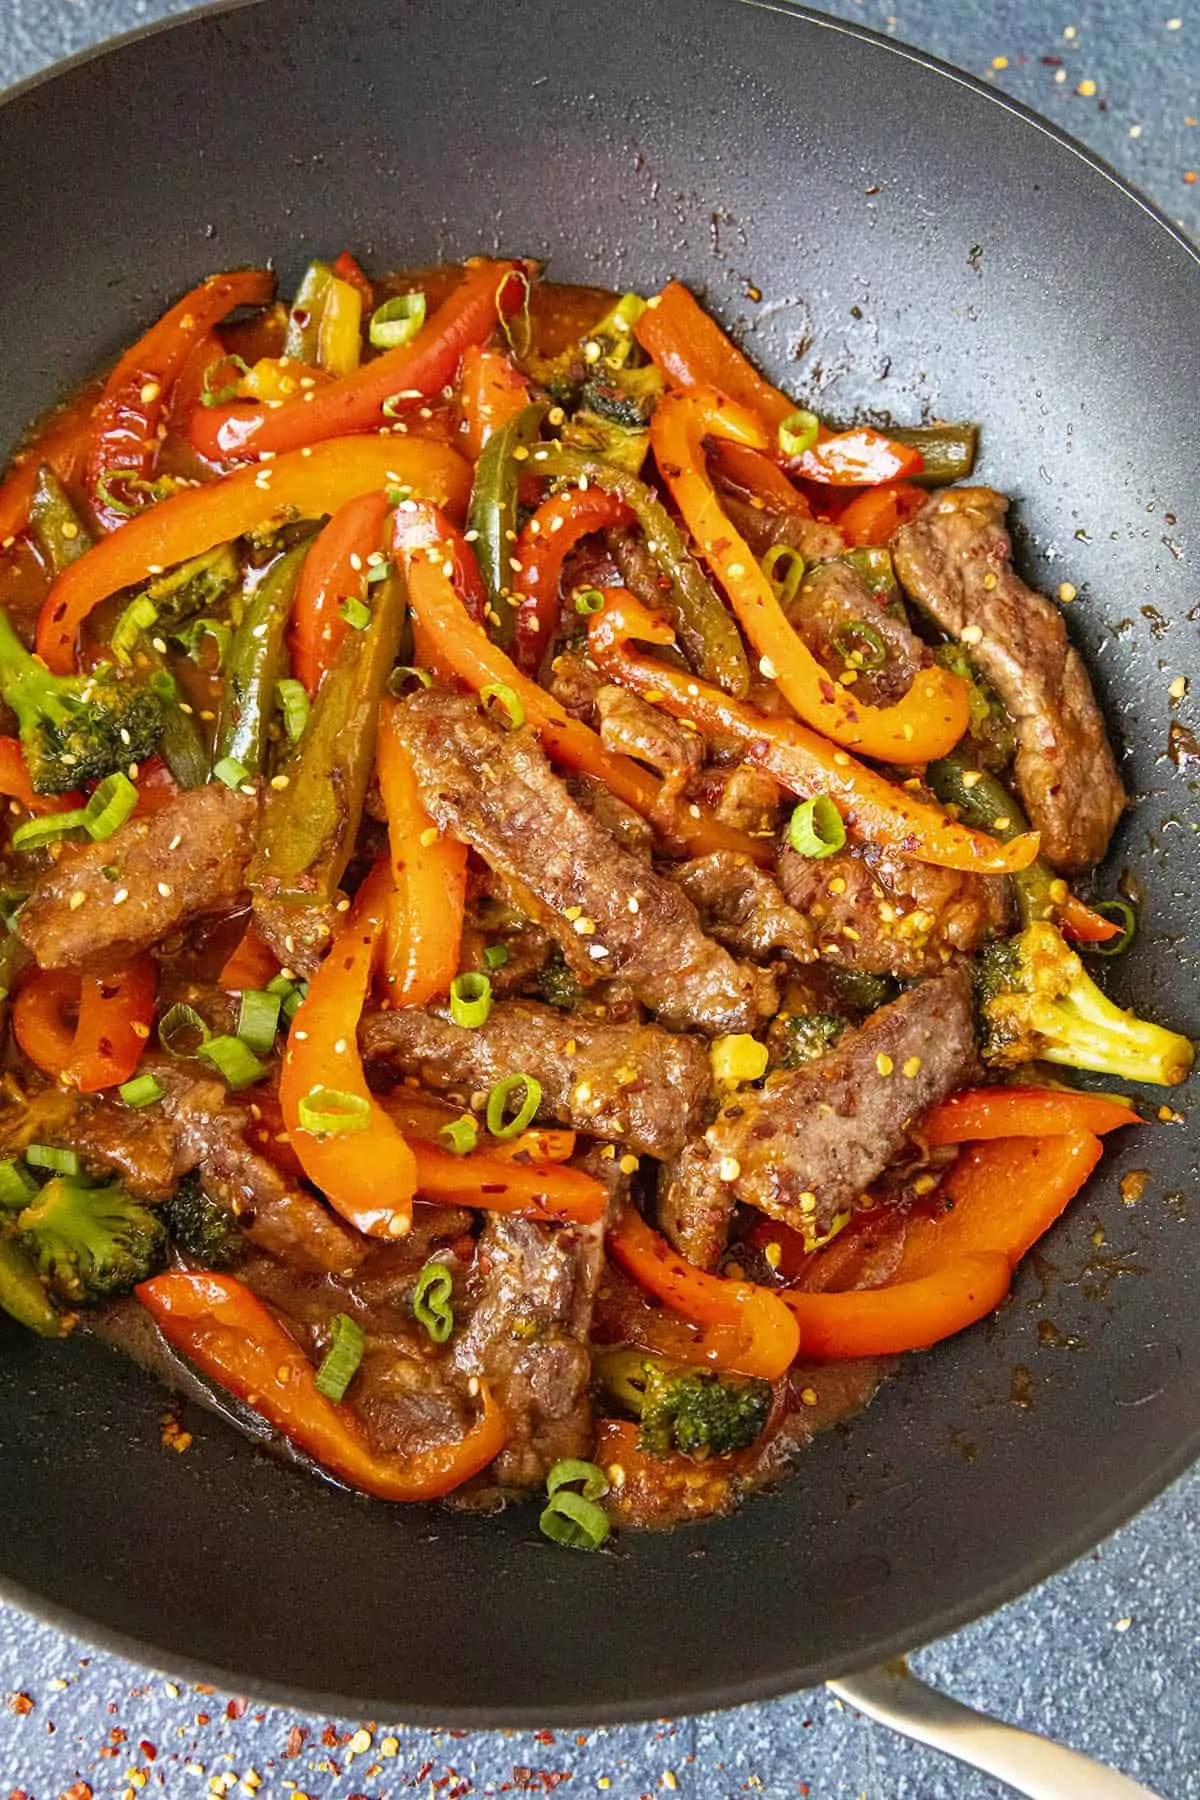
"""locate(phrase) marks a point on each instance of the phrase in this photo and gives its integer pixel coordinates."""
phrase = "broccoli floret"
(863, 992)
(1036, 1001)
(802, 1037)
(75, 728)
(988, 725)
(558, 982)
(90, 1243)
(683, 1409)
(204, 1231)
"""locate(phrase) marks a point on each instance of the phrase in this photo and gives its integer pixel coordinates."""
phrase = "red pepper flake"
(538, 1781)
(79, 1790)
(329, 1737)
(543, 1737)
(204, 1687)
(20, 1704)
(118, 1735)
(235, 1709)
(19, 1794)
(148, 1750)
(295, 1741)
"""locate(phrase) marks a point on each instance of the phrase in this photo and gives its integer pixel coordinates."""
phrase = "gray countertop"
(1105, 1657)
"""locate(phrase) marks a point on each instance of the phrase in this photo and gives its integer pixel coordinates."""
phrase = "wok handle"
(1030, 1764)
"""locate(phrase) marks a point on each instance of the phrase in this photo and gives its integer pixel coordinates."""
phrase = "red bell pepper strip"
(554, 530)
(138, 392)
(87, 1031)
(859, 458)
(1001, 1197)
(429, 876)
(14, 781)
(252, 964)
(227, 1332)
(759, 478)
(190, 522)
(156, 788)
(1078, 921)
(455, 646)
(874, 517)
(1011, 1112)
(769, 1338)
(800, 760)
(908, 1315)
(63, 443)
(493, 392)
(535, 1191)
(368, 1175)
(925, 724)
(693, 352)
(335, 570)
(416, 371)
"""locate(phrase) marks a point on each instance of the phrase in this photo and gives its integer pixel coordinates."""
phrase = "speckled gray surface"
(1106, 1656)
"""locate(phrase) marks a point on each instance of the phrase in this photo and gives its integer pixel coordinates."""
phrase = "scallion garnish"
(432, 1302)
(234, 1061)
(499, 1098)
(138, 616)
(258, 1019)
(233, 773)
(460, 1136)
(356, 613)
(294, 705)
(397, 321)
(331, 1112)
(211, 396)
(401, 675)
(507, 698)
(294, 1001)
(143, 1090)
(16, 1187)
(470, 999)
(799, 432)
(181, 1030)
(496, 955)
(379, 571)
(339, 1365)
(572, 1517)
(109, 807)
(52, 1157)
(34, 834)
(861, 646)
(515, 321)
(785, 585)
(571, 1471)
(192, 637)
(816, 827)
(1122, 914)
(589, 601)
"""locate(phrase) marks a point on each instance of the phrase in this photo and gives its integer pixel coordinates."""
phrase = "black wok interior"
(922, 250)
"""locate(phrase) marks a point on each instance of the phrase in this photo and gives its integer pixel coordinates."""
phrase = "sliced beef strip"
(741, 905)
(144, 882)
(744, 797)
(495, 790)
(877, 914)
(632, 727)
(628, 1083)
(811, 1140)
(574, 683)
(832, 600)
(620, 820)
(298, 935)
(764, 526)
(954, 558)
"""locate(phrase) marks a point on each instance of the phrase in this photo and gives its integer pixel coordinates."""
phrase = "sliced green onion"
(816, 828)
(571, 1520)
(294, 705)
(234, 1061)
(589, 601)
(569, 1471)
(138, 616)
(331, 1112)
(280, 984)
(192, 637)
(11, 902)
(109, 807)
(50, 1156)
(499, 1098)
(294, 1001)
(785, 586)
(1122, 914)
(233, 773)
(470, 1000)
(506, 698)
(180, 1025)
(460, 1136)
(106, 496)
(799, 432)
(397, 321)
(516, 323)
(339, 1365)
(432, 1305)
(850, 639)
(496, 955)
(35, 833)
(211, 396)
(16, 1187)
(401, 675)
(143, 1090)
(258, 1019)
(356, 613)
(379, 571)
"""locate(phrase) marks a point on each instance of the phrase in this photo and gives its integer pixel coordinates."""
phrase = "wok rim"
(698, 1698)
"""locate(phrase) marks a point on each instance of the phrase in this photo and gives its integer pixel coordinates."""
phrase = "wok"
(921, 247)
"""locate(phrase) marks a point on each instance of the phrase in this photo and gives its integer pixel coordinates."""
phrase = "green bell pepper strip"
(59, 532)
(248, 692)
(986, 805)
(492, 514)
(23, 1296)
(949, 451)
(309, 827)
(182, 747)
(201, 585)
(303, 338)
(703, 625)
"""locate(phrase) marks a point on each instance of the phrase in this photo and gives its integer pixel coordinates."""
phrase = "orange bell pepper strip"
(873, 517)
(535, 1191)
(251, 965)
(693, 352)
(456, 647)
(137, 394)
(863, 457)
(766, 1339)
(15, 782)
(925, 724)
(800, 760)
(1078, 921)
(554, 530)
(414, 372)
(334, 570)
(541, 1143)
(227, 1332)
(492, 392)
(62, 441)
(368, 1175)
(909, 1315)
(1011, 1112)
(1001, 1197)
(759, 478)
(194, 520)
(429, 876)
(87, 1031)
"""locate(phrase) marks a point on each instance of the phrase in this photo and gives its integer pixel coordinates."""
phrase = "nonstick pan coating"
(921, 248)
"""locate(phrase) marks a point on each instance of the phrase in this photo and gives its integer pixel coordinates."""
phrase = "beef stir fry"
(538, 945)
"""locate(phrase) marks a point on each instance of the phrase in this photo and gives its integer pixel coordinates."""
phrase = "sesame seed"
(972, 778)
(120, 897)
(633, 904)
(597, 951)
(164, 890)
(585, 927)
(767, 667)
(911, 1067)
(1067, 592)
(809, 1396)
(429, 837)
(808, 1203)
(972, 634)
(772, 1254)
(884, 1063)
(628, 1164)
(77, 899)
(729, 1168)
(1086, 88)
(279, 782)
(1059, 892)
(924, 1184)
(150, 392)
(1178, 687)
(1001, 824)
